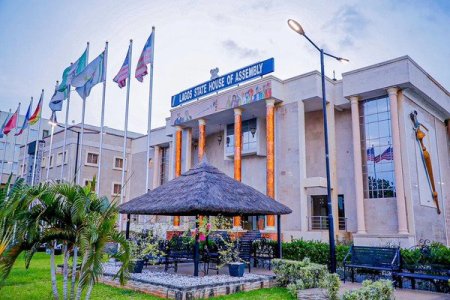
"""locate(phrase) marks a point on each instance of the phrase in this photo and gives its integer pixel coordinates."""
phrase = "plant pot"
(136, 266)
(236, 269)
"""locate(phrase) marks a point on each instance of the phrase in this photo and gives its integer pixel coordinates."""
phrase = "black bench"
(372, 258)
(178, 251)
(420, 267)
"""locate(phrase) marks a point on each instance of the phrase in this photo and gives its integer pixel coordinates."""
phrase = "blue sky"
(38, 39)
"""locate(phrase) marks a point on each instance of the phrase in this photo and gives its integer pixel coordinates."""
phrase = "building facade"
(269, 134)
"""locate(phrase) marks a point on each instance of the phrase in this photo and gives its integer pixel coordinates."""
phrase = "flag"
(73, 70)
(90, 76)
(4, 124)
(144, 59)
(25, 120)
(57, 99)
(122, 76)
(371, 154)
(37, 113)
(12, 122)
(388, 154)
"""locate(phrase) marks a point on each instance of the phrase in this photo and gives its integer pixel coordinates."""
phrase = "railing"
(321, 223)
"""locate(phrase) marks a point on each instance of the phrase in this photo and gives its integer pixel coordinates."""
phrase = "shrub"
(332, 283)
(378, 290)
(317, 251)
(298, 275)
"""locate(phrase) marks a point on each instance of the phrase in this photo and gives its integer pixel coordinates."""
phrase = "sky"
(38, 39)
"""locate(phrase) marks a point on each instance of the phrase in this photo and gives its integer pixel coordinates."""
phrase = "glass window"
(376, 147)
(116, 189)
(51, 161)
(59, 158)
(118, 163)
(45, 133)
(92, 158)
(249, 137)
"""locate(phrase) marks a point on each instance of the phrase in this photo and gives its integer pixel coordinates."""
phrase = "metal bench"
(178, 251)
(420, 267)
(263, 253)
(371, 258)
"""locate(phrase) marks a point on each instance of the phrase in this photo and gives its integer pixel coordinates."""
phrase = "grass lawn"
(35, 283)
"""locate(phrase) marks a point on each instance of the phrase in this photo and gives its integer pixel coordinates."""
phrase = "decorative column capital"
(238, 111)
(178, 128)
(270, 102)
(201, 122)
(354, 99)
(392, 91)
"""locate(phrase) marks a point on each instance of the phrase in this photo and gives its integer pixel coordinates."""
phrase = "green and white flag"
(91, 75)
(73, 70)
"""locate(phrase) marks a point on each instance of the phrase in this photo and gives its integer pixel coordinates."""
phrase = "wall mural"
(426, 158)
(224, 101)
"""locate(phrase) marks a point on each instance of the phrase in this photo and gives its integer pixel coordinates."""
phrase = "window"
(51, 161)
(92, 159)
(59, 158)
(45, 133)
(376, 147)
(319, 213)
(118, 163)
(117, 187)
(43, 162)
(164, 166)
(2, 145)
(249, 137)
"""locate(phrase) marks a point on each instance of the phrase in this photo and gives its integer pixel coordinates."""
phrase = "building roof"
(204, 190)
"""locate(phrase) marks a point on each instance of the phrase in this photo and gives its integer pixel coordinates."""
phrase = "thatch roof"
(204, 190)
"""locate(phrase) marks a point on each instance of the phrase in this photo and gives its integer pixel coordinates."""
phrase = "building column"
(270, 161)
(302, 166)
(178, 143)
(201, 138)
(357, 166)
(399, 189)
(188, 149)
(237, 156)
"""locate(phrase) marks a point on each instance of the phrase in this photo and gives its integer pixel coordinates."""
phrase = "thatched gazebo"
(206, 191)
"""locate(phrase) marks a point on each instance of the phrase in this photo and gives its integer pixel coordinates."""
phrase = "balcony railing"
(321, 223)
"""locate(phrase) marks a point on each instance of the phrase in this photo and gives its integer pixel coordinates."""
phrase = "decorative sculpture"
(420, 135)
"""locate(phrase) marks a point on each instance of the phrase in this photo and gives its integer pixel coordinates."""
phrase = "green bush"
(439, 255)
(298, 275)
(316, 251)
(332, 283)
(378, 290)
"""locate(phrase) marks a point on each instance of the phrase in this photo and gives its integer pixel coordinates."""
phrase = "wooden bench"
(372, 258)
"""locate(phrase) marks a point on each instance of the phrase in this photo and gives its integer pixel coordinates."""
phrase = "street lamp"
(294, 25)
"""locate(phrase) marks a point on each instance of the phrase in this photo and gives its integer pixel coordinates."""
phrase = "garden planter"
(236, 269)
(136, 266)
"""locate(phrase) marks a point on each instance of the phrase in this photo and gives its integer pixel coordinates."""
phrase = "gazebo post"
(196, 247)
(127, 228)
(280, 254)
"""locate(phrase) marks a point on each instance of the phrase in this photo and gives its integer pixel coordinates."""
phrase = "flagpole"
(15, 139)
(53, 124)
(36, 146)
(149, 122)
(4, 151)
(66, 124)
(125, 135)
(26, 144)
(83, 113)
(102, 122)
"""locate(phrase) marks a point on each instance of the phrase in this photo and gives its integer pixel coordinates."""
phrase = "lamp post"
(294, 25)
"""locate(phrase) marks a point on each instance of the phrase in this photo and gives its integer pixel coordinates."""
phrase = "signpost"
(222, 82)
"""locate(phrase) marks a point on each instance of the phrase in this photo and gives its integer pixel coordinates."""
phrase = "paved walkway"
(404, 294)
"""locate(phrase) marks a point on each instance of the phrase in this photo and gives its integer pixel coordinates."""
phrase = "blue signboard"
(225, 81)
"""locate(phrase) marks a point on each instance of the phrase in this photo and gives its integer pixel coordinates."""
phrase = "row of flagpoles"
(83, 76)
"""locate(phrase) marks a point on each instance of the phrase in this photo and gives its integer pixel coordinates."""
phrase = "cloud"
(349, 24)
(242, 52)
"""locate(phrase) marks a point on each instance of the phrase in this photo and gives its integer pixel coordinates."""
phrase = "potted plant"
(230, 255)
(137, 246)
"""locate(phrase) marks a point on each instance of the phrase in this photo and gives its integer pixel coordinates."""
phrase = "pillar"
(201, 138)
(237, 156)
(302, 166)
(178, 143)
(399, 188)
(270, 161)
(333, 165)
(357, 166)
(156, 167)
(187, 149)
